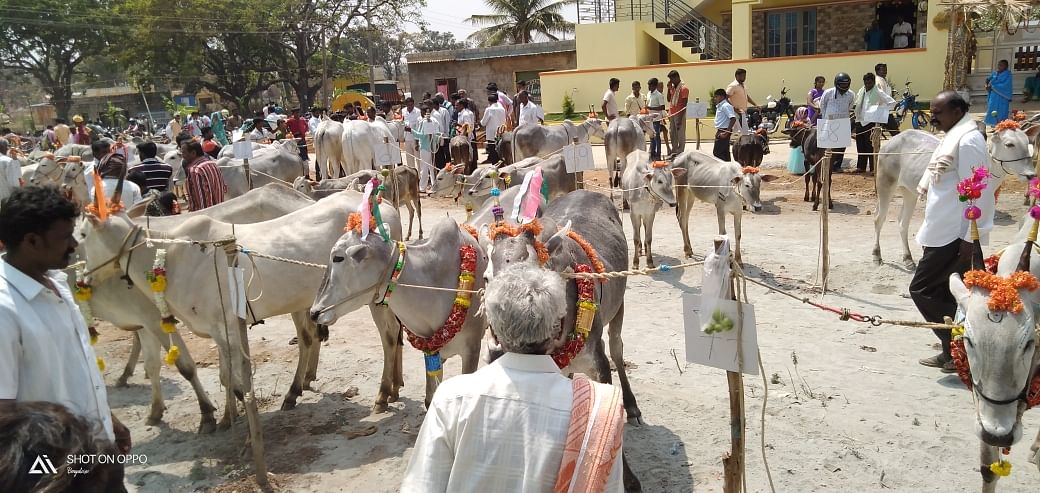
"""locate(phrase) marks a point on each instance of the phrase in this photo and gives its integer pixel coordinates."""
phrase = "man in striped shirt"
(205, 186)
(156, 173)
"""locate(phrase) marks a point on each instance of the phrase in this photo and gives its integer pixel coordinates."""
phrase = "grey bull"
(130, 309)
(594, 217)
(646, 188)
(623, 136)
(275, 163)
(360, 269)
(554, 175)
(1003, 359)
(401, 189)
(541, 140)
(196, 297)
(724, 184)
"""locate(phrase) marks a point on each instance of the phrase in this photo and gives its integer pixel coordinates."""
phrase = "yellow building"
(779, 42)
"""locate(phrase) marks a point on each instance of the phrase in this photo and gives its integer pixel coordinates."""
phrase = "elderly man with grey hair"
(518, 424)
(10, 171)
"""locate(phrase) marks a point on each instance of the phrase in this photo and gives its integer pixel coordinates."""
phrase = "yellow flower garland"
(83, 294)
(157, 282)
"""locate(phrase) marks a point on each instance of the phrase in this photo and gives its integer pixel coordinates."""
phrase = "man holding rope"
(945, 234)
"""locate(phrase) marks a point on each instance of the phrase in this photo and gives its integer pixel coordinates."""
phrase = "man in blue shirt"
(725, 120)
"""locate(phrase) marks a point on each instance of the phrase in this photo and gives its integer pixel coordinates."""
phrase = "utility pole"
(371, 55)
(324, 70)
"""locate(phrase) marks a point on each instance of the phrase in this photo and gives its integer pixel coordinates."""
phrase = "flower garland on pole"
(157, 282)
(83, 295)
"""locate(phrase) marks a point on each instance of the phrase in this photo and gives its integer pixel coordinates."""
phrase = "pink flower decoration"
(1034, 212)
(1034, 187)
(981, 173)
(971, 187)
(972, 213)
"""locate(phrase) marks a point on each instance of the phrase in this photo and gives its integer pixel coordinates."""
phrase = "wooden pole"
(579, 176)
(256, 434)
(733, 462)
(249, 176)
(825, 199)
(697, 126)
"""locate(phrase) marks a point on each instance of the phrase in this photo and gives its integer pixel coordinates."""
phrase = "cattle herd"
(289, 239)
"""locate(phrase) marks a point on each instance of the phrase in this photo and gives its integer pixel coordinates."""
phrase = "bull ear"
(1033, 131)
(959, 291)
(737, 179)
(357, 253)
(556, 241)
(483, 237)
(769, 178)
(678, 172)
(140, 208)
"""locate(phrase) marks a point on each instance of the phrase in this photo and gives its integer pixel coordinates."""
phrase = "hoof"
(635, 420)
(650, 263)
(379, 408)
(877, 260)
(635, 264)
(207, 426)
(815, 207)
(909, 264)
(121, 382)
(288, 404)
(153, 420)
(224, 425)
(394, 397)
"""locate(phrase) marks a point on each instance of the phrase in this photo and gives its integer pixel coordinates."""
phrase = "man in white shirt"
(467, 127)
(494, 118)
(260, 132)
(945, 233)
(314, 121)
(655, 102)
(506, 426)
(881, 76)
(835, 104)
(609, 105)
(110, 165)
(45, 350)
(503, 99)
(174, 127)
(530, 113)
(443, 117)
(901, 33)
(427, 132)
(10, 171)
(411, 116)
(872, 109)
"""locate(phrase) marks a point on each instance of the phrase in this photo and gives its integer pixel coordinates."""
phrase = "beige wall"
(601, 45)
(474, 75)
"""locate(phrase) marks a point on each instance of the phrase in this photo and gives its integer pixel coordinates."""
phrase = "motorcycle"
(918, 119)
(768, 116)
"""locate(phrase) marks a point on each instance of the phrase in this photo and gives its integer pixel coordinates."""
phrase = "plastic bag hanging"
(716, 285)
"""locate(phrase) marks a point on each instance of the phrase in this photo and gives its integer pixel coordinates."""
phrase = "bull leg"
(389, 334)
(418, 213)
(884, 199)
(617, 355)
(736, 237)
(648, 228)
(186, 367)
(395, 392)
(150, 345)
(226, 379)
(306, 339)
(808, 180)
(909, 203)
(131, 362)
(1035, 448)
(989, 454)
(682, 215)
(830, 186)
(411, 219)
(636, 241)
(720, 213)
(322, 334)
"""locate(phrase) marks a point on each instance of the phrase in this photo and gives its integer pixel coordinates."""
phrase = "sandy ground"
(848, 405)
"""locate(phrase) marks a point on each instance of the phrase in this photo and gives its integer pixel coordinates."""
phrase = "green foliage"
(567, 106)
(519, 21)
(115, 115)
(711, 101)
(174, 108)
(427, 40)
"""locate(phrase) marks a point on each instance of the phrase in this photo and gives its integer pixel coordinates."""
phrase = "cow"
(192, 291)
(504, 146)
(402, 188)
(461, 153)
(725, 184)
(999, 348)
(358, 270)
(646, 187)
(747, 150)
(554, 173)
(328, 147)
(541, 140)
(903, 160)
(130, 309)
(274, 163)
(623, 136)
(594, 218)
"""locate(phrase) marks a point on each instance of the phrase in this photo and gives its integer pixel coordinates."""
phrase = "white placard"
(834, 134)
(719, 350)
(696, 110)
(578, 158)
(243, 149)
(876, 113)
(237, 290)
(385, 154)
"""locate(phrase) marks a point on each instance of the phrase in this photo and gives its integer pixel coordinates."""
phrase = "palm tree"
(517, 21)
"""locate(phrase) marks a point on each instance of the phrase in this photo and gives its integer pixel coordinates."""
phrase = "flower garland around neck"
(512, 230)
(582, 320)
(590, 252)
(157, 282)
(83, 294)
(432, 346)
(1007, 125)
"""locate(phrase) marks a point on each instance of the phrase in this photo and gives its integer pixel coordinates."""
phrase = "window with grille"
(791, 33)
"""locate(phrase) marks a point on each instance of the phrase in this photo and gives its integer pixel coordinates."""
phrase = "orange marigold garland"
(1003, 292)
(590, 252)
(660, 164)
(354, 223)
(1008, 125)
(470, 229)
(582, 321)
(456, 318)
(749, 170)
(512, 230)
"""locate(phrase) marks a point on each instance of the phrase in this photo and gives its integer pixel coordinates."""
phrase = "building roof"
(503, 51)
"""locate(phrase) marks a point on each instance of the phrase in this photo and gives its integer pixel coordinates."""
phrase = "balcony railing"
(708, 37)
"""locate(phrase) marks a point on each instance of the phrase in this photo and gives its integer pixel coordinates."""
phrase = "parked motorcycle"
(908, 104)
(768, 116)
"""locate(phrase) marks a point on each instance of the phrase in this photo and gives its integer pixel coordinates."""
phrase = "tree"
(427, 40)
(48, 39)
(519, 21)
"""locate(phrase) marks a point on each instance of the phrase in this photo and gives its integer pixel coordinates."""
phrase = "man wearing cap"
(678, 97)
(298, 127)
(81, 134)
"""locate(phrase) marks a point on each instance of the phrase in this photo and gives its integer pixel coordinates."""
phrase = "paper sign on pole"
(243, 149)
(875, 114)
(834, 134)
(578, 158)
(385, 154)
(237, 290)
(719, 349)
(696, 110)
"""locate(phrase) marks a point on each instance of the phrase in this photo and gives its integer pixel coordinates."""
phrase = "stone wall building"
(472, 69)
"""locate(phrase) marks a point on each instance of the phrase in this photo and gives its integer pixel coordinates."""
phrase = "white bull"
(541, 140)
(623, 136)
(646, 187)
(328, 147)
